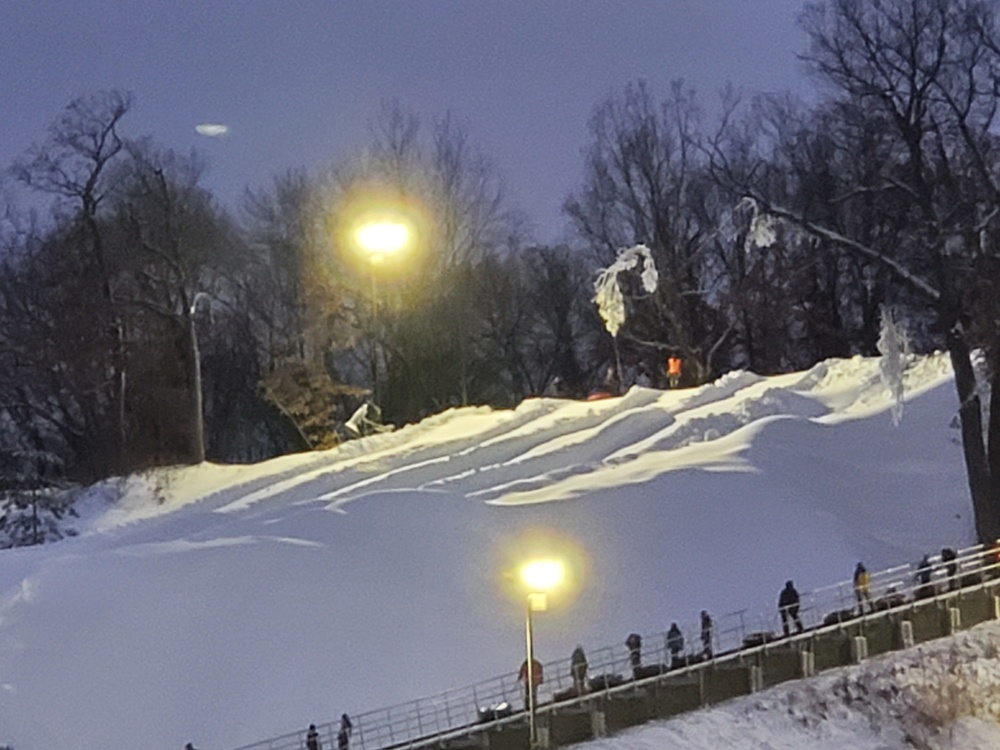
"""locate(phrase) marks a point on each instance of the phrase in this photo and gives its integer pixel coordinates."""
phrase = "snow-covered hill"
(227, 604)
(943, 695)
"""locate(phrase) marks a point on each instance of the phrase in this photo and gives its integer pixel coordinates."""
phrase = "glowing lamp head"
(543, 575)
(382, 237)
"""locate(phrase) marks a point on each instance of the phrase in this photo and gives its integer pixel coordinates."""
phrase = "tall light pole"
(378, 238)
(196, 423)
(540, 577)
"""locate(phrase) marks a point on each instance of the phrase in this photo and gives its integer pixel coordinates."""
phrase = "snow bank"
(942, 695)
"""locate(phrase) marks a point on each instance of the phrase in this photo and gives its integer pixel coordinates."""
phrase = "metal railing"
(736, 635)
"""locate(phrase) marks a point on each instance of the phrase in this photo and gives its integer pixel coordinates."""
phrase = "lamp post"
(379, 238)
(196, 423)
(540, 577)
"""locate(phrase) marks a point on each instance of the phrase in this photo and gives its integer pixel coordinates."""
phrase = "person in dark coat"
(312, 739)
(950, 559)
(706, 634)
(344, 735)
(578, 670)
(788, 606)
(634, 645)
(675, 640)
(924, 571)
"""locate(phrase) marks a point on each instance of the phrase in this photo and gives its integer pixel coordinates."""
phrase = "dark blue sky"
(299, 82)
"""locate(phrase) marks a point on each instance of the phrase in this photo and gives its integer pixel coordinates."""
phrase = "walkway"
(749, 655)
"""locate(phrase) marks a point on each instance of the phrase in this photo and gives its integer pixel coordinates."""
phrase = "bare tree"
(76, 164)
(643, 175)
(921, 74)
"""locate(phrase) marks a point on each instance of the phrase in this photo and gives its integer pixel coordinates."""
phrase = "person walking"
(530, 691)
(578, 670)
(950, 559)
(344, 735)
(706, 634)
(863, 588)
(312, 739)
(924, 572)
(675, 641)
(634, 645)
(788, 606)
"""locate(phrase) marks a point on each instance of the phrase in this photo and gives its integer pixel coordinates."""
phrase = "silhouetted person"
(578, 670)
(312, 738)
(189, 746)
(634, 645)
(788, 606)
(924, 572)
(706, 634)
(862, 588)
(344, 735)
(950, 559)
(675, 640)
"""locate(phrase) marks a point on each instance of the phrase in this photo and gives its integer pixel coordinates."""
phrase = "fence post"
(859, 649)
(906, 633)
(808, 661)
(954, 620)
(598, 723)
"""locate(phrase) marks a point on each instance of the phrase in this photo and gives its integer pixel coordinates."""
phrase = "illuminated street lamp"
(540, 576)
(378, 238)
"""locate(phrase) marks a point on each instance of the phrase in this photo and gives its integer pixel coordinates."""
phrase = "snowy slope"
(227, 604)
(943, 695)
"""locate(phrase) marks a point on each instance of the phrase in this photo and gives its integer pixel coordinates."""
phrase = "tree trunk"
(974, 448)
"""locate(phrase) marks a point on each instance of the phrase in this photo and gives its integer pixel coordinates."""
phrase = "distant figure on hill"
(675, 640)
(788, 606)
(634, 645)
(189, 746)
(312, 738)
(862, 588)
(674, 370)
(530, 691)
(950, 559)
(706, 634)
(344, 735)
(578, 670)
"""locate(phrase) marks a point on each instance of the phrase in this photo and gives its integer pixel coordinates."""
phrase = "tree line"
(141, 324)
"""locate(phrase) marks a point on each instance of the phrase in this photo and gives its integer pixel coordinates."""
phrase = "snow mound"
(942, 695)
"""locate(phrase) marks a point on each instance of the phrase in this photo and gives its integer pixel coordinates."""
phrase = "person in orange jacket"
(674, 370)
